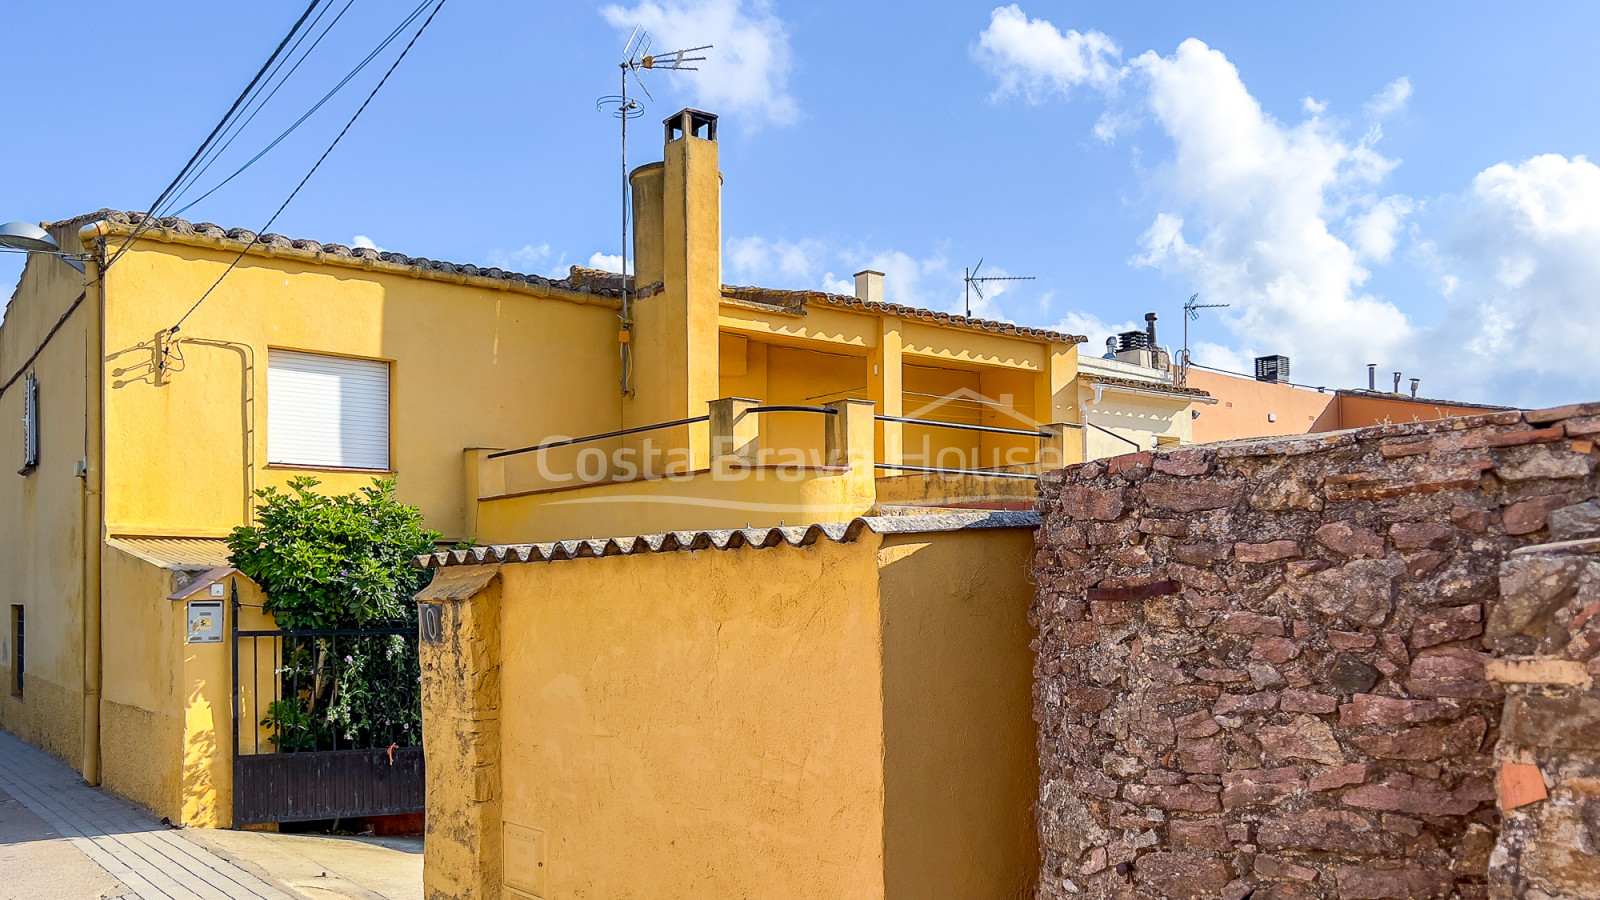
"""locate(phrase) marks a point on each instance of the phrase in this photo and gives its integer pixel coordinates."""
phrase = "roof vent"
(1133, 340)
(1272, 368)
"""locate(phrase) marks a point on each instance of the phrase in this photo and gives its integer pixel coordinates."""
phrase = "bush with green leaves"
(339, 562)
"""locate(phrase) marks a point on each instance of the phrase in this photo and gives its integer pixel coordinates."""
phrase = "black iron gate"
(326, 724)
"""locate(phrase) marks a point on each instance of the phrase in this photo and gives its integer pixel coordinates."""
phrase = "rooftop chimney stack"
(1396, 383)
(1372, 376)
(869, 286)
(1414, 383)
(1150, 328)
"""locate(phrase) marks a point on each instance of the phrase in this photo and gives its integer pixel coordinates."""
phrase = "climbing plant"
(339, 562)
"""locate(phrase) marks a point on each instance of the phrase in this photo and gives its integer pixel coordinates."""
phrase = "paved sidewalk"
(143, 858)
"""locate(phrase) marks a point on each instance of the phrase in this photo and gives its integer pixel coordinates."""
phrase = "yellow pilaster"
(886, 389)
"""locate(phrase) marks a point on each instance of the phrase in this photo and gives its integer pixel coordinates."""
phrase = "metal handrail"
(601, 437)
(825, 410)
(988, 472)
(989, 428)
(1119, 437)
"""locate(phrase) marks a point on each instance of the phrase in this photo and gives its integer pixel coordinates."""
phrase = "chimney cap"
(869, 272)
(690, 121)
(1149, 317)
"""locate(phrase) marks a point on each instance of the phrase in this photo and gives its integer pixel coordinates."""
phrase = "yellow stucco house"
(641, 470)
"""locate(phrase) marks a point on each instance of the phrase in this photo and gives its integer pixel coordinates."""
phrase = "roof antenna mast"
(1191, 308)
(975, 283)
(637, 56)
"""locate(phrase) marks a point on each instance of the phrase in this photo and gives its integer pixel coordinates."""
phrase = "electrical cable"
(312, 111)
(243, 95)
(238, 126)
(314, 167)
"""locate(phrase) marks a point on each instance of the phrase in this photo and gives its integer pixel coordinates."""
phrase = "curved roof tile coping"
(726, 539)
(794, 301)
(581, 280)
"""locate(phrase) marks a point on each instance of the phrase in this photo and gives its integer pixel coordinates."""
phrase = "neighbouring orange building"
(1248, 406)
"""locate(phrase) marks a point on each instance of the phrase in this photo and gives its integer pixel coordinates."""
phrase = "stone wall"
(1545, 634)
(1261, 666)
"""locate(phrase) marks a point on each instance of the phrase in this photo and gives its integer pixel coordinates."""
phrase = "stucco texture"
(831, 720)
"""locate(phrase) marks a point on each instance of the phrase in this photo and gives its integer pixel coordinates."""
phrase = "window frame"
(389, 444)
(18, 657)
(30, 423)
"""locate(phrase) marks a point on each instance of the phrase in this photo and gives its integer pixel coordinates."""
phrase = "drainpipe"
(93, 236)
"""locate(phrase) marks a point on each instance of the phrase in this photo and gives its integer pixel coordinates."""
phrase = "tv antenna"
(637, 57)
(975, 282)
(1191, 310)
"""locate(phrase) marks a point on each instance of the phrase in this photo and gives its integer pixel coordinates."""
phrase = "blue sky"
(1403, 184)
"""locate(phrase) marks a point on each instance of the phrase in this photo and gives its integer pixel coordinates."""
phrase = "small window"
(30, 423)
(17, 656)
(327, 411)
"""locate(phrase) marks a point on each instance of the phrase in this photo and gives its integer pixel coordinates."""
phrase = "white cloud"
(835, 285)
(1095, 329)
(526, 259)
(1373, 232)
(756, 260)
(1391, 99)
(608, 262)
(362, 242)
(747, 69)
(1035, 58)
(1275, 218)
(1523, 255)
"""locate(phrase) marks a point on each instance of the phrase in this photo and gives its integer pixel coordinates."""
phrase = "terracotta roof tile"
(729, 539)
(581, 280)
(796, 301)
(1157, 386)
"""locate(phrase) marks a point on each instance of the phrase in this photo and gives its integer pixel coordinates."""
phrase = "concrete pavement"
(61, 838)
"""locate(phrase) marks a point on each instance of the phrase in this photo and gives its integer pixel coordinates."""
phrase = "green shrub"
(339, 562)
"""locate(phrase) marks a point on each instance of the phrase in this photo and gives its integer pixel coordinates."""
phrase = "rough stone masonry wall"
(1261, 666)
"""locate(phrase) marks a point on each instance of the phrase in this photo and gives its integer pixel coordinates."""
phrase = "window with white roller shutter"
(327, 411)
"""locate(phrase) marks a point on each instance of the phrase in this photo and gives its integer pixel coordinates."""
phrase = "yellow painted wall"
(960, 767)
(205, 690)
(1137, 417)
(721, 498)
(41, 513)
(141, 704)
(166, 714)
(719, 740)
(471, 367)
(789, 376)
(838, 720)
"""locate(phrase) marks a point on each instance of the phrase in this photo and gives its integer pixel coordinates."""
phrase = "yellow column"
(463, 855)
(1055, 403)
(886, 389)
(735, 431)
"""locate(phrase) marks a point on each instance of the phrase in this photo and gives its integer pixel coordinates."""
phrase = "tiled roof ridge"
(1388, 395)
(1143, 385)
(727, 539)
(794, 300)
(582, 280)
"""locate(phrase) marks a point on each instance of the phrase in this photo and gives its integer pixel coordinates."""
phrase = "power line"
(248, 90)
(314, 167)
(238, 126)
(316, 106)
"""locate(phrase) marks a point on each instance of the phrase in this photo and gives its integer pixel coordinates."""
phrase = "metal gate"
(326, 724)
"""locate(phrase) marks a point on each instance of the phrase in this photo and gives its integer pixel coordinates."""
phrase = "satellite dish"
(26, 236)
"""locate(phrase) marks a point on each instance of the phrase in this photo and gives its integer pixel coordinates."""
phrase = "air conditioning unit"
(1272, 368)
